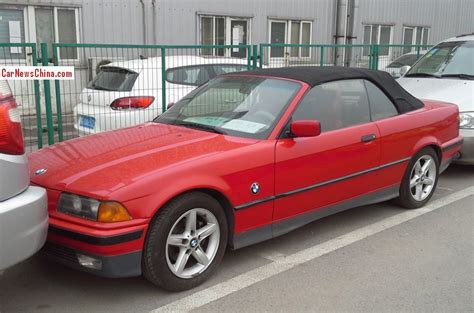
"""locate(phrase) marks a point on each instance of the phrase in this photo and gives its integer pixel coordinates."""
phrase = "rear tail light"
(132, 103)
(11, 137)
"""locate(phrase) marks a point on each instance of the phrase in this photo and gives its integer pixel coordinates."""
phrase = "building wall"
(446, 18)
(179, 19)
(176, 21)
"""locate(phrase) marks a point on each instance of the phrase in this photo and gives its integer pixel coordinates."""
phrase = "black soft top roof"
(313, 76)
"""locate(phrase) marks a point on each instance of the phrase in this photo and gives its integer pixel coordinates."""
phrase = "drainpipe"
(341, 22)
(143, 22)
(155, 40)
(353, 6)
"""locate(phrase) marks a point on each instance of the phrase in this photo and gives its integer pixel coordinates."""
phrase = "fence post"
(261, 56)
(418, 52)
(321, 57)
(47, 96)
(376, 57)
(249, 57)
(163, 80)
(254, 56)
(36, 86)
(58, 96)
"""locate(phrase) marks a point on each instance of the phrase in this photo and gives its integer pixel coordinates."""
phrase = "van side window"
(335, 105)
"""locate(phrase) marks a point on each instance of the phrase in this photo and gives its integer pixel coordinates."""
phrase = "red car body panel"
(144, 167)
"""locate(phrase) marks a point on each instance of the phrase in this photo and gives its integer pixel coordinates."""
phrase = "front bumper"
(467, 150)
(23, 226)
(110, 253)
(116, 266)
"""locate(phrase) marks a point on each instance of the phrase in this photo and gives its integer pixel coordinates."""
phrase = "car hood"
(100, 164)
(457, 91)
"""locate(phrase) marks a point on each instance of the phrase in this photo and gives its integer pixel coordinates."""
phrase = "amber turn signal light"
(111, 212)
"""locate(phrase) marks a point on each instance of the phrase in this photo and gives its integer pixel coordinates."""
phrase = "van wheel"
(420, 180)
(186, 242)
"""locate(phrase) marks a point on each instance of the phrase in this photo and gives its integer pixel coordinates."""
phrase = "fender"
(425, 142)
(147, 206)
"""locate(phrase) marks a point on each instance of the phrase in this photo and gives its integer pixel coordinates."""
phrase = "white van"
(446, 73)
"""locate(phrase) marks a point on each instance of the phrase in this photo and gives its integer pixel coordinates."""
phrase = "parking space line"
(283, 263)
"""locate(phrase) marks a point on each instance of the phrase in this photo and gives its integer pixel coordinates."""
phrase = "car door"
(316, 172)
(398, 135)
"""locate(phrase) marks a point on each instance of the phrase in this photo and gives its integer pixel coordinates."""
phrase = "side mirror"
(305, 128)
(404, 69)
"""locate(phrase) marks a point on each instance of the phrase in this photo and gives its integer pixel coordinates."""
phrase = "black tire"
(406, 199)
(154, 263)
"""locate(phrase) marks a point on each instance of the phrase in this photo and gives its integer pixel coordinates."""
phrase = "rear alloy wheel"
(186, 242)
(420, 180)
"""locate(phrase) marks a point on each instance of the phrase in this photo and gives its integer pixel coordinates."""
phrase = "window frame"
(379, 30)
(29, 24)
(227, 32)
(27, 59)
(287, 50)
(285, 129)
(370, 104)
(415, 33)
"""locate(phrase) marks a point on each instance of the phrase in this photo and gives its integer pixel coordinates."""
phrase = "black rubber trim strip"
(453, 145)
(99, 241)
(281, 227)
(319, 185)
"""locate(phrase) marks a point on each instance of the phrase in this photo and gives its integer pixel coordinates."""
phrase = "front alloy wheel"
(185, 242)
(192, 243)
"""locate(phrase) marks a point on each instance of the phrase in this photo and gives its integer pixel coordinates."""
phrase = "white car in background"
(23, 208)
(446, 73)
(129, 92)
(407, 59)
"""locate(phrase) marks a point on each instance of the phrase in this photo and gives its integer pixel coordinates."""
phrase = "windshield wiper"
(199, 126)
(460, 76)
(423, 75)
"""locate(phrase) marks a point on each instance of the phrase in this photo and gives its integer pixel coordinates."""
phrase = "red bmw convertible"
(244, 158)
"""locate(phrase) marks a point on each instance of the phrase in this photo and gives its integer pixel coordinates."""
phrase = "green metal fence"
(164, 73)
(27, 93)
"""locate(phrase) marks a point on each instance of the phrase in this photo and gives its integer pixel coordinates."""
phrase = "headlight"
(466, 120)
(92, 209)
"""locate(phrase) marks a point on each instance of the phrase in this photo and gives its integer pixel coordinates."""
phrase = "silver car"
(446, 73)
(23, 208)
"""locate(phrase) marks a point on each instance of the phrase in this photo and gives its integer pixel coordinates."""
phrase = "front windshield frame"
(174, 115)
(444, 66)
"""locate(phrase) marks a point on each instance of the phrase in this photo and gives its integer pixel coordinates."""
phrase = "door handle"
(368, 138)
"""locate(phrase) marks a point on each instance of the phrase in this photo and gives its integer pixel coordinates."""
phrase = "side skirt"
(279, 228)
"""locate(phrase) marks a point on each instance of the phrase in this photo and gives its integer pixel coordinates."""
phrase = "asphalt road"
(377, 258)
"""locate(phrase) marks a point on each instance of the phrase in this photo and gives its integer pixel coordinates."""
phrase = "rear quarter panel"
(404, 135)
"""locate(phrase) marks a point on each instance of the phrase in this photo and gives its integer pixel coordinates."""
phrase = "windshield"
(407, 59)
(113, 79)
(239, 106)
(448, 59)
